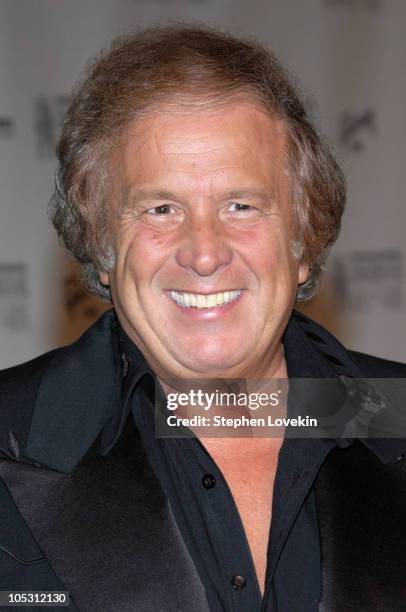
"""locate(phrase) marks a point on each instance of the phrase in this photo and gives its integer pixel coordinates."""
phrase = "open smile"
(204, 301)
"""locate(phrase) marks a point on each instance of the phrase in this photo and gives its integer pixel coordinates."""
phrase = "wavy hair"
(191, 67)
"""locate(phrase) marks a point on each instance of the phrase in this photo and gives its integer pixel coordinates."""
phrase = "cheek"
(266, 250)
(272, 261)
(141, 253)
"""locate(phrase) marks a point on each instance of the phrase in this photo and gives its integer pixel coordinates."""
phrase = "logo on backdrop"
(370, 5)
(368, 279)
(49, 112)
(355, 129)
(7, 127)
(13, 296)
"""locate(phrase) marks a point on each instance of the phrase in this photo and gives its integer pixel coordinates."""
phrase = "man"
(200, 200)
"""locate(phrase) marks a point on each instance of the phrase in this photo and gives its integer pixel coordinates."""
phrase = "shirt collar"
(303, 360)
(136, 376)
(84, 397)
(310, 352)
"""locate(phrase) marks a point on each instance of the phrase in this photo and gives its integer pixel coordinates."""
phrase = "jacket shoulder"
(364, 365)
(57, 378)
(18, 391)
(376, 367)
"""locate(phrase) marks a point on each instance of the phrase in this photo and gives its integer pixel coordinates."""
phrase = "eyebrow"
(241, 194)
(140, 195)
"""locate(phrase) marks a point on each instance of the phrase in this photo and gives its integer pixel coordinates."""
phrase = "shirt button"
(208, 481)
(238, 582)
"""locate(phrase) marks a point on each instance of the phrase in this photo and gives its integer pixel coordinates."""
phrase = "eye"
(238, 207)
(241, 213)
(163, 209)
(163, 216)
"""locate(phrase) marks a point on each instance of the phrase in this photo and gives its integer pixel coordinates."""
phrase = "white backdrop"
(349, 56)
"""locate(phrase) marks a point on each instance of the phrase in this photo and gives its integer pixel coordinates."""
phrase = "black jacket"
(82, 511)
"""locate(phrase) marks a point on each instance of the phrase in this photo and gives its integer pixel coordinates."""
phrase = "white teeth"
(212, 300)
(201, 301)
(198, 300)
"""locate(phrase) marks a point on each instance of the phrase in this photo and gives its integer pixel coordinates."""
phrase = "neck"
(201, 403)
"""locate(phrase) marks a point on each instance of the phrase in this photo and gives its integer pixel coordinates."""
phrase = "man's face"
(201, 218)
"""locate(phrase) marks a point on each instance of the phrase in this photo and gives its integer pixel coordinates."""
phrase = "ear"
(104, 278)
(303, 273)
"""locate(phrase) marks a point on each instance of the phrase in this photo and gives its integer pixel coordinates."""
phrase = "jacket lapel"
(361, 504)
(107, 531)
(78, 395)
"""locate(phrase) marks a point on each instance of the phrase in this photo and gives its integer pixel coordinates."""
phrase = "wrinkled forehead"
(211, 144)
(176, 114)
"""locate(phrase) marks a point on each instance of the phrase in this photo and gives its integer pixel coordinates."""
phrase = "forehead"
(210, 146)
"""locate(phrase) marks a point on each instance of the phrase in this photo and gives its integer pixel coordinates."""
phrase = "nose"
(204, 248)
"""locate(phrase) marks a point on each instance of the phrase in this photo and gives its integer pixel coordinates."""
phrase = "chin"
(209, 370)
(212, 353)
(211, 366)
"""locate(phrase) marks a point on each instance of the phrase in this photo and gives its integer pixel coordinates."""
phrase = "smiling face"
(201, 218)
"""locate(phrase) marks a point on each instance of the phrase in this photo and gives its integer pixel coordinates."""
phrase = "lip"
(205, 314)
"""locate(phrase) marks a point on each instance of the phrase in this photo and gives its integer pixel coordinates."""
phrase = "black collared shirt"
(210, 524)
(206, 513)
